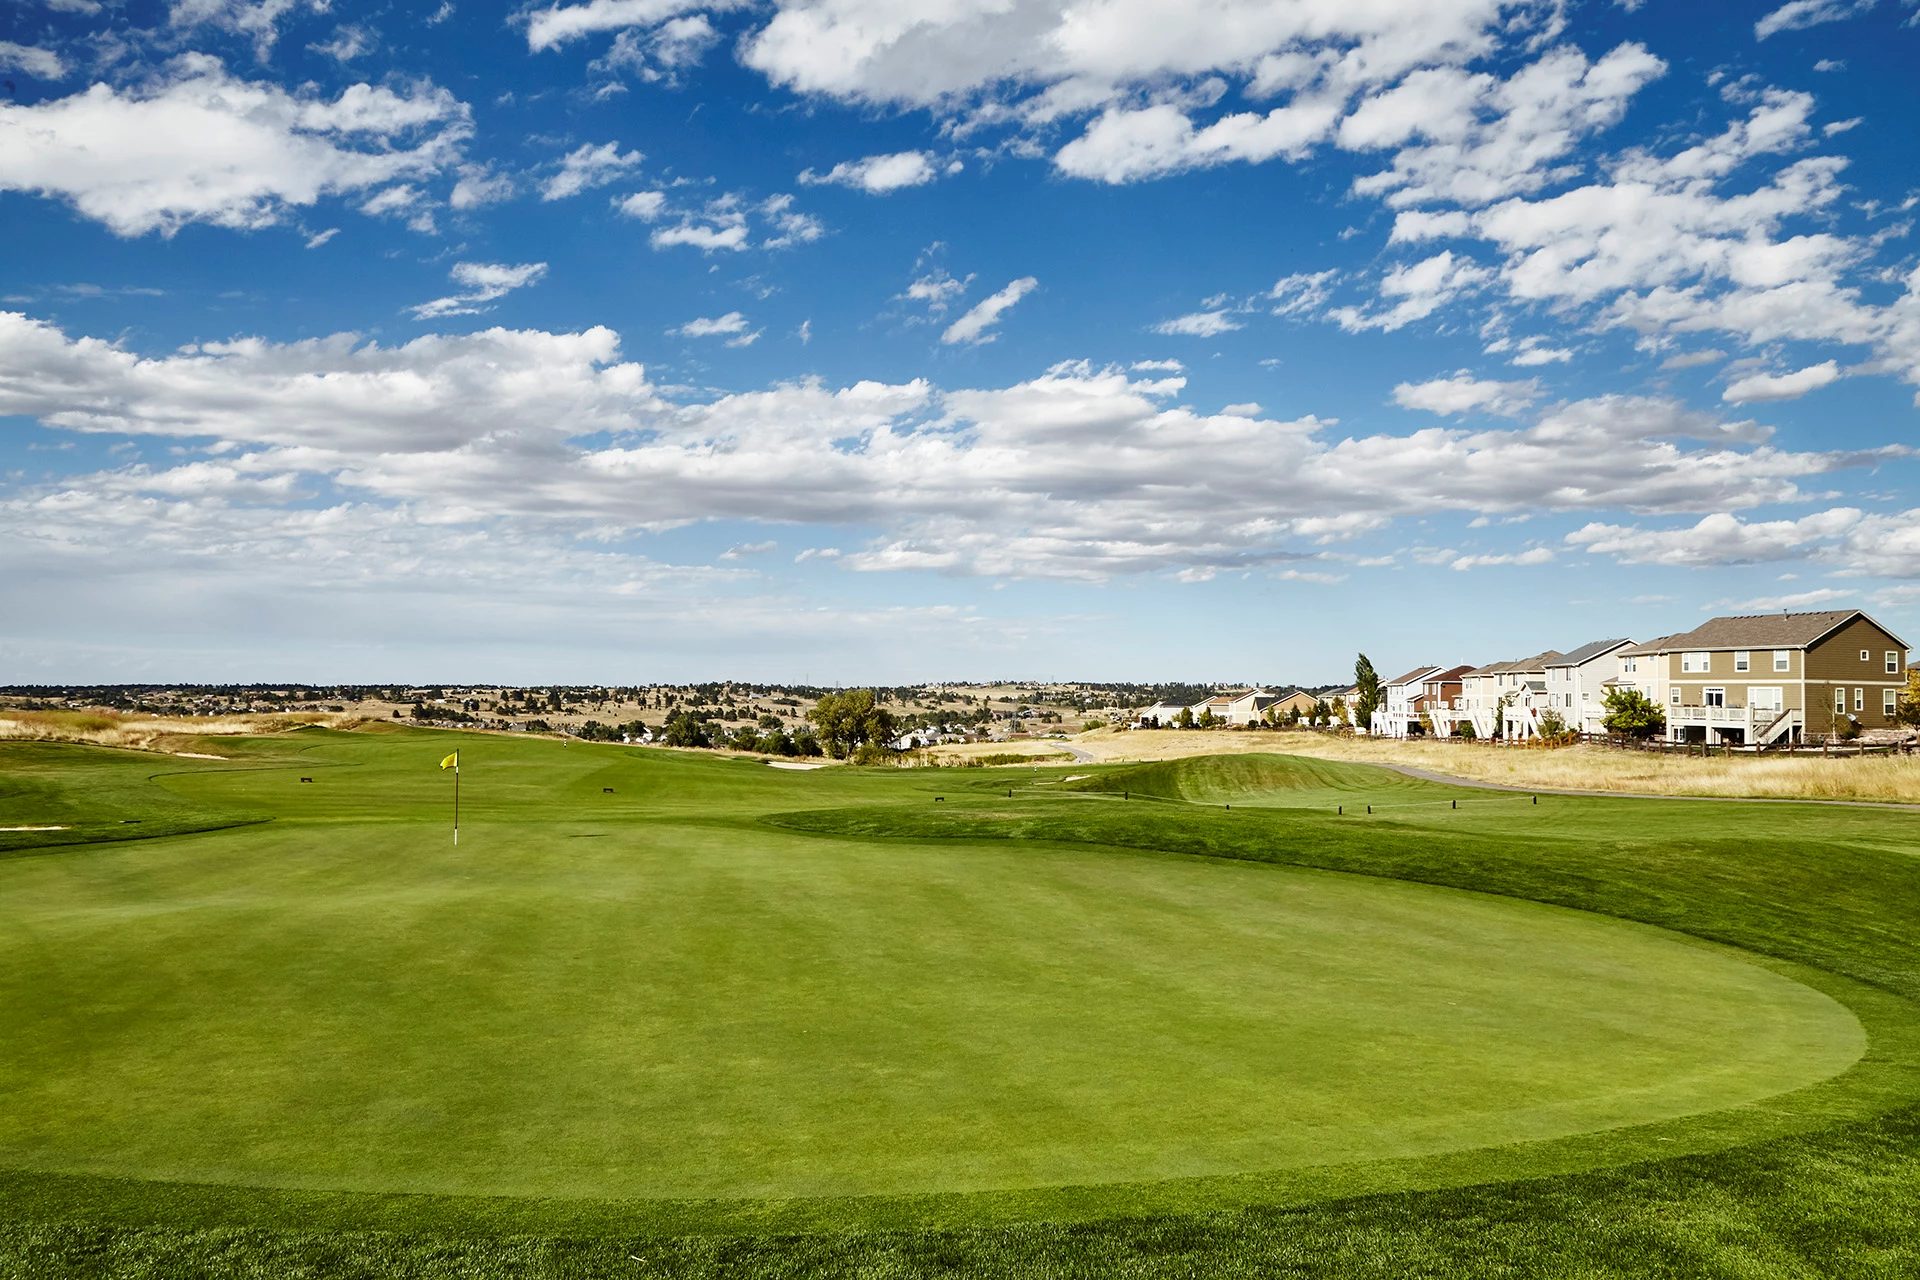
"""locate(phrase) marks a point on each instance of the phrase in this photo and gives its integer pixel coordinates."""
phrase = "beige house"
(1767, 677)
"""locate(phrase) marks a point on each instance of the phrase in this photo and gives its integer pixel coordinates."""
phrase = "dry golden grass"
(1039, 751)
(172, 734)
(1891, 779)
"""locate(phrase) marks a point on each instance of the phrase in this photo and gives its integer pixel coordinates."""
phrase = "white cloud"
(1157, 366)
(732, 326)
(1081, 472)
(478, 186)
(724, 223)
(1530, 356)
(1719, 539)
(937, 289)
(1463, 393)
(878, 175)
(644, 205)
(1693, 359)
(1302, 293)
(1199, 324)
(1536, 555)
(257, 20)
(1762, 387)
(484, 283)
(315, 241)
(551, 27)
(588, 166)
(1421, 287)
(660, 54)
(197, 145)
(348, 43)
(740, 551)
(1797, 15)
(972, 327)
(43, 64)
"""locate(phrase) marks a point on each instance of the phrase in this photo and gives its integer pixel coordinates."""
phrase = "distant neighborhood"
(1750, 680)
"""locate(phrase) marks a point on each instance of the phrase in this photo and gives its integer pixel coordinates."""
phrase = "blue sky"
(866, 340)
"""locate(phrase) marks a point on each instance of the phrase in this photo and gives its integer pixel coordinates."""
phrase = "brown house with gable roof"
(1770, 677)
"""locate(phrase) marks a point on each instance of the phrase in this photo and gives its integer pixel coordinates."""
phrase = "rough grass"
(173, 734)
(1883, 779)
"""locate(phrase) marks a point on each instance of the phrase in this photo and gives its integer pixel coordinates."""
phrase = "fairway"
(624, 985)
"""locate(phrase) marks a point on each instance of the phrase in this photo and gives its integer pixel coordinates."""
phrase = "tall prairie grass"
(145, 733)
(1886, 779)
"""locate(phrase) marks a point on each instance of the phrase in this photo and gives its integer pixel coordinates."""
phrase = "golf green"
(623, 985)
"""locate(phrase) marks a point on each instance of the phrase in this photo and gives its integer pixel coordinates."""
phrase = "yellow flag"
(451, 762)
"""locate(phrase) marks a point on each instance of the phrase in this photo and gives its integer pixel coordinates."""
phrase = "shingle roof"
(1538, 662)
(1764, 631)
(1418, 673)
(1586, 652)
(1648, 648)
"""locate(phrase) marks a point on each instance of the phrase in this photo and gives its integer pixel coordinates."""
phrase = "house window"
(1859, 699)
(1840, 701)
(1782, 659)
(1714, 697)
(1893, 663)
(1742, 660)
(1676, 695)
(1766, 698)
(1696, 662)
(1889, 702)
(1865, 656)
(1630, 665)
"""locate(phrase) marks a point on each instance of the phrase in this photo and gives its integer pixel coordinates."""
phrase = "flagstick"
(456, 799)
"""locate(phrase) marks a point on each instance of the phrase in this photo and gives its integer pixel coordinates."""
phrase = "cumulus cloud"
(485, 282)
(1463, 393)
(1762, 387)
(972, 327)
(1199, 324)
(878, 175)
(588, 166)
(1080, 472)
(43, 64)
(195, 144)
(1719, 539)
(1421, 289)
(724, 223)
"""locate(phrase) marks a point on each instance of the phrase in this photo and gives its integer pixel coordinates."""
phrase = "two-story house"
(1393, 717)
(1766, 677)
(1418, 693)
(1577, 683)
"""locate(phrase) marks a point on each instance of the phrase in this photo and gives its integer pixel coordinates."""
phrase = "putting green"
(668, 1006)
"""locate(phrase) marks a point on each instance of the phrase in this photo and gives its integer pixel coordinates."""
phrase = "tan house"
(1295, 701)
(1767, 677)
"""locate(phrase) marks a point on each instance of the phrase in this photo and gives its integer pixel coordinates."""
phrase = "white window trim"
(1840, 700)
(1889, 702)
(1783, 659)
(1707, 697)
(1859, 699)
(1893, 662)
(1742, 660)
(1866, 655)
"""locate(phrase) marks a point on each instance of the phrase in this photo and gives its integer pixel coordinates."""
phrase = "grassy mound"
(1268, 780)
